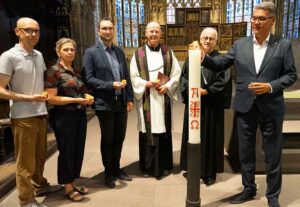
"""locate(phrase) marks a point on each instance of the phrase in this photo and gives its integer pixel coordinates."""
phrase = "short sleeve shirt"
(26, 72)
(68, 83)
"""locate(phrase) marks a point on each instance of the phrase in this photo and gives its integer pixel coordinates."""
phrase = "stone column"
(82, 27)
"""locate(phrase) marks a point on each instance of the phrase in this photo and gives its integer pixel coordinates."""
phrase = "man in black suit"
(106, 73)
(264, 67)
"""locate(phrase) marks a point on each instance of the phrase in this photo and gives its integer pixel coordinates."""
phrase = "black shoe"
(146, 174)
(123, 176)
(243, 197)
(109, 181)
(273, 203)
(209, 181)
(45, 190)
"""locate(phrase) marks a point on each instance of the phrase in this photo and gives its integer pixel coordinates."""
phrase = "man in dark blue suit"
(264, 67)
(106, 73)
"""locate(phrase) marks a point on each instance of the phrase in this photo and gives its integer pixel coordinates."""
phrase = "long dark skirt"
(158, 157)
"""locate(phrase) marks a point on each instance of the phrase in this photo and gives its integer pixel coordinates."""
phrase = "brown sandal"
(74, 196)
(81, 189)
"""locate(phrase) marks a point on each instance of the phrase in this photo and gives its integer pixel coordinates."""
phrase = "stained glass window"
(230, 11)
(256, 2)
(241, 11)
(141, 13)
(134, 24)
(129, 15)
(284, 20)
(170, 14)
(127, 27)
(247, 15)
(119, 15)
(173, 4)
(296, 20)
(290, 19)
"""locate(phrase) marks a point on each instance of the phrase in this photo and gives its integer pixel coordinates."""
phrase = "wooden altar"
(188, 26)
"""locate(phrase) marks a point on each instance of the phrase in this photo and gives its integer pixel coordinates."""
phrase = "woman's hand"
(90, 98)
(83, 101)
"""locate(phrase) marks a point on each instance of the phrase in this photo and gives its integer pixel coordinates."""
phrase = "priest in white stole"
(154, 95)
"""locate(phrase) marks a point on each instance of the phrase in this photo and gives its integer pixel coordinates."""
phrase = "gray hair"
(153, 24)
(267, 5)
(210, 29)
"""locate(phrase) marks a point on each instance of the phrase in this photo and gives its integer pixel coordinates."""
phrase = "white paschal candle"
(194, 96)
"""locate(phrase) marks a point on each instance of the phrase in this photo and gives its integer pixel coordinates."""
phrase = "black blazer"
(277, 68)
(99, 77)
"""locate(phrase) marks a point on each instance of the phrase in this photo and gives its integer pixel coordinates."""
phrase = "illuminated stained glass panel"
(119, 22)
(241, 11)
(284, 19)
(127, 21)
(296, 19)
(170, 14)
(141, 13)
(238, 11)
(290, 20)
(173, 4)
(129, 15)
(134, 24)
(247, 15)
(230, 11)
(255, 2)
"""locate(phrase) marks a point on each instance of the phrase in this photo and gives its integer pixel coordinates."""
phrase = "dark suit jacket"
(277, 68)
(99, 77)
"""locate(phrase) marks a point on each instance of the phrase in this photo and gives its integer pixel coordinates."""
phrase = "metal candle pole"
(193, 157)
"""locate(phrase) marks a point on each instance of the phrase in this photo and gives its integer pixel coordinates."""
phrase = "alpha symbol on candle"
(195, 109)
(194, 124)
(195, 92)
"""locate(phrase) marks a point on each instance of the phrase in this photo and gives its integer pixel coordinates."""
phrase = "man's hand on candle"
(203, 92)
(202, 52)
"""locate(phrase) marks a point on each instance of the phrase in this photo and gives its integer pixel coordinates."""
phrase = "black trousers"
(70, 131)
(157, 158)
(271, 129)
(113, 130)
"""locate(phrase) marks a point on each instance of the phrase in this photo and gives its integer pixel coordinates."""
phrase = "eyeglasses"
(30, 31)
(260, 19)
(208, 38)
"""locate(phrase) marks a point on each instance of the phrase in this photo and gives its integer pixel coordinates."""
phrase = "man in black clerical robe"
(215, 97)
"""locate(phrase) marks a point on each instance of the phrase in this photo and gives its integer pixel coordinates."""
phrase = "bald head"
(22, 22)
(152, 25)
(28, 31)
